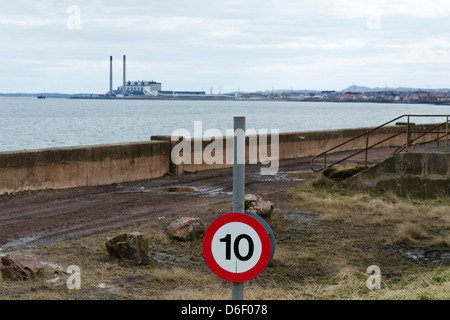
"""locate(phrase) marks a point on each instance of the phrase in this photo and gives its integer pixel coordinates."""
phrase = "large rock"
(20, 267)
(256, 204)
(185, 229)
(129, 246)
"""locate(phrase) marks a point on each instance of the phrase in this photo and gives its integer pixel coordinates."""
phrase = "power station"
(128, 88)
(142, 87)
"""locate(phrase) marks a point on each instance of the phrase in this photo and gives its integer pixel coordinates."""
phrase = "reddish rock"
(186, 229)
(20, 267)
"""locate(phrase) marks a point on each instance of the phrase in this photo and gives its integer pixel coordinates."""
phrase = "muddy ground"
(326, 238)
(36, 217)
(44, 216)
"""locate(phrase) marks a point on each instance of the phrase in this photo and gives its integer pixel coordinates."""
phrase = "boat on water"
(41, 97)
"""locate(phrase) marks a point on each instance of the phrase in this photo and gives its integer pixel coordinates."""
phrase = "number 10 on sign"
(236, 247)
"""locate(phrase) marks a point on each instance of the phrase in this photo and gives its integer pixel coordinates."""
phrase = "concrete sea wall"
(292, 145)
(60, 168)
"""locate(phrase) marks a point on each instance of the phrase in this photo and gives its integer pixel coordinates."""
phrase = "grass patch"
(326, 237)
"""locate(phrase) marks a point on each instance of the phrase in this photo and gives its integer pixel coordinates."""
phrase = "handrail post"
(438, 135)
(367, 149)
(407, 135)
(446, 136)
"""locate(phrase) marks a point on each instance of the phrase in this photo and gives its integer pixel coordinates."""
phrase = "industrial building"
(181, 93)
(142, 87)
(129, 88)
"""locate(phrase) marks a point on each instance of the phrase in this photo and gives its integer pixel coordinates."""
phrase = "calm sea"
(30, 123)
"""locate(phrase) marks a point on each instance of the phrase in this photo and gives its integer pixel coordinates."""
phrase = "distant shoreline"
(212, 98)
(157, 98)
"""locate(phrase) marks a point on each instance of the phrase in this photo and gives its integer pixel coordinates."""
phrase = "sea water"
(31, 123)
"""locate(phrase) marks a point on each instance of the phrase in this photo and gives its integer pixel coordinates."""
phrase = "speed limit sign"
(237, 247)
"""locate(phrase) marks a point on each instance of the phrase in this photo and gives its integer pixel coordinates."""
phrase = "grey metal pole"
(110, 76)
(239, 165)
(124, 88)
(237, 288)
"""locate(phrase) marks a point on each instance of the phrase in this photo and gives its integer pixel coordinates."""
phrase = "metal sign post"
(238, 246)
(237, 288)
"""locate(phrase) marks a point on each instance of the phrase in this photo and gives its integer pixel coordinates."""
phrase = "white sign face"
(236, 247)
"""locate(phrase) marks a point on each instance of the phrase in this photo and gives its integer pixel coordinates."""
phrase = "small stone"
(20, 267)
(185, 229)
(129, 246)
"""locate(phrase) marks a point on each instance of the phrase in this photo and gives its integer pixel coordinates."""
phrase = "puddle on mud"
(162, 257)
(302, 215)
(187, 190)
(298, 175)
(174, 189)
(18, 242)
(171, 259)
(427, 254)
(177, 190)
(133, 189)
(208, 192)
(300, 221)
(190, 190)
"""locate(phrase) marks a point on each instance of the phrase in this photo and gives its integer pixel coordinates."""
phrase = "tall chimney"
(124, 75)
(110, 76)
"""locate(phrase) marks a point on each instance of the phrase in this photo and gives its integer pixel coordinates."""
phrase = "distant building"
(182, 93)
(141, 88)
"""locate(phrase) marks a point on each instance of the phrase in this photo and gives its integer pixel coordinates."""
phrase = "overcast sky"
(64, 46)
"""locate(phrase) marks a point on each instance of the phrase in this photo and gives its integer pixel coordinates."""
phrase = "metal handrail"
(401, 148)
(408, 142)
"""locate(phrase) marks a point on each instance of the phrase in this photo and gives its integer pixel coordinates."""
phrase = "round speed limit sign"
(237, 247)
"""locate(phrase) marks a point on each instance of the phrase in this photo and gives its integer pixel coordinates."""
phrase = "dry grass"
(408, 233)
(410, 219)
(326, 237)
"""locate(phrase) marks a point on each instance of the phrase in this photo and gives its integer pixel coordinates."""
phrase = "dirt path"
(29, 218)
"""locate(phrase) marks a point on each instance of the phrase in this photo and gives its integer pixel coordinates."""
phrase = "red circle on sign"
(262, 234)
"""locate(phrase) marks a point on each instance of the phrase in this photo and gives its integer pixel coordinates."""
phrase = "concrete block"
(437, 164)
(423, 175)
